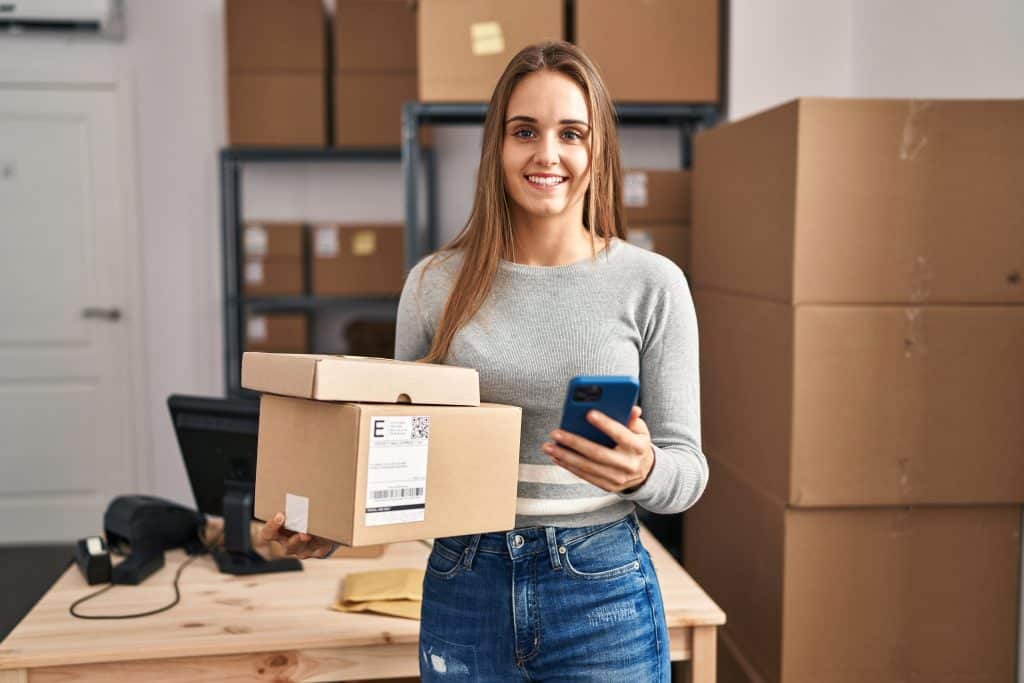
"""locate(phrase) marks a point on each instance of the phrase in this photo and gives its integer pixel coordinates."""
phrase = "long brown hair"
(487, 236)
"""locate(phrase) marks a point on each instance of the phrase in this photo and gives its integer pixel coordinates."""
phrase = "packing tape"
(296, 513)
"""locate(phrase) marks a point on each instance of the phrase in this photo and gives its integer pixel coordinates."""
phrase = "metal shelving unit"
(236, 304)
(688, 118)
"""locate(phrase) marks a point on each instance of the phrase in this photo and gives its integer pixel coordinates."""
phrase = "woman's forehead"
(548, 97)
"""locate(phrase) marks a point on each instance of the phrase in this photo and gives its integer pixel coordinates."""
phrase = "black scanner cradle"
(142, 527)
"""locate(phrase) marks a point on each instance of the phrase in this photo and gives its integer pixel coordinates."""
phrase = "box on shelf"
(358, 259)
(671, 240)
(263, 35)
(864, 201)
(865, 594)
(376, 471)
(656, 196)
(277, 332)
(653, 51)
(273, 277)
(370, 337)
(368, 108)
(263, 239)
(277, 109)
(464, 45)
(375, 35)
(865, 405)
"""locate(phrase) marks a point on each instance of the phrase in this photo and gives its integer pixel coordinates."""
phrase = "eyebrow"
(530, 119)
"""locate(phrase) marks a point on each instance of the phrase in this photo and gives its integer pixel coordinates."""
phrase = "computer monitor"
(217, 438)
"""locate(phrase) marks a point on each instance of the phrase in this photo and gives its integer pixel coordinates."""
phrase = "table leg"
(702, 666)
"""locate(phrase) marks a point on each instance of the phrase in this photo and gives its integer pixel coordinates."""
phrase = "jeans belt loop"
(556, 562)
(470, 552)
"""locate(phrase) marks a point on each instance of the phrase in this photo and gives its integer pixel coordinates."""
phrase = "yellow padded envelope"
(396, 592)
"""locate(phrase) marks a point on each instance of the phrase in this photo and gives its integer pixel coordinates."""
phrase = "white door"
(68, 336)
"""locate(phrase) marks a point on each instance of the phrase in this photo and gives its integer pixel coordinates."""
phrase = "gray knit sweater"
(627, 313)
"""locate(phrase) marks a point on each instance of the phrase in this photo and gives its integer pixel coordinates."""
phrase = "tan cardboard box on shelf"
(277, 332)
(864, 201)
(671, 240)
(653, 51)
(358, 259)
(464, 45)
(656, 196)
(375, 35)
(368, 108)
(377, 471)
(262, 35)
(865, 405)
(273, 277)
(864, 594)
(277, 109)
(266, 239)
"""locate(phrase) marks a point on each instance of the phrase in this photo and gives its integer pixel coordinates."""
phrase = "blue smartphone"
(613, 395)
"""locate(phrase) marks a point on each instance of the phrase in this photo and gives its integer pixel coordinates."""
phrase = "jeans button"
(517, 541)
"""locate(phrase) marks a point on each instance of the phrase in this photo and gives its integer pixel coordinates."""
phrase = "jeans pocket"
(444, 563)
(441, 660)
(605, 554)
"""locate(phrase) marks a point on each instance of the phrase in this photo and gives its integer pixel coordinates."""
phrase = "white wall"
(173, 55)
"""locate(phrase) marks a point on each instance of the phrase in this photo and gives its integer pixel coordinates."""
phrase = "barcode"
(403, 492)
(421, 427)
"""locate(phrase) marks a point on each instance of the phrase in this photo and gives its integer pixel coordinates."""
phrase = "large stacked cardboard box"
(277, 332)
(366, 450)
(274, 255)
(358, 259)
(857, 271)
(657, 207)
(276, 61)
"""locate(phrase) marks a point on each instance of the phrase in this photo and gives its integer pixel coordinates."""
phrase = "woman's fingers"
(619, 432)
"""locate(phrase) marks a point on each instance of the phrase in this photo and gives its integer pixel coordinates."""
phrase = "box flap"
(279, 373)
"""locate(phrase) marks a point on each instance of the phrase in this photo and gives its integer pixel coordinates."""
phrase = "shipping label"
(396, 473)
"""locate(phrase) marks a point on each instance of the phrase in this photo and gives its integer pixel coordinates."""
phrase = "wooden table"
(274, 627)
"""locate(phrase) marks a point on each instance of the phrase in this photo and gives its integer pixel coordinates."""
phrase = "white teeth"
(545, 180)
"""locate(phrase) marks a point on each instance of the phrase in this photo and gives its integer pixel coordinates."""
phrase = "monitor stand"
(238, 557)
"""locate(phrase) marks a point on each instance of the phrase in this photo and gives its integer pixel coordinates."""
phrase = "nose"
(547, 151)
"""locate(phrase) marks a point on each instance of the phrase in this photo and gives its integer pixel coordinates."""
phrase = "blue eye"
(522, 133)
(572, 135)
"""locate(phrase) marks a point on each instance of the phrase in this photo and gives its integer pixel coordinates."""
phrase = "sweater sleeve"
(412, 336)
(670, 398)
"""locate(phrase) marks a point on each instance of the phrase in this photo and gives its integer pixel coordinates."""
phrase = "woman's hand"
(302, 546)
(615, 470)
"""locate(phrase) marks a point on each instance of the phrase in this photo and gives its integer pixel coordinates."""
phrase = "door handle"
(94, 312)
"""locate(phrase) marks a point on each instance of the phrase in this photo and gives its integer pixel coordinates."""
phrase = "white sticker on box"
(255, 240)
(486, 38)
(396, 471)
(325, 241)
(641, 238)
(634, 189)
(256, 330)
(296, 513)
(254, 273)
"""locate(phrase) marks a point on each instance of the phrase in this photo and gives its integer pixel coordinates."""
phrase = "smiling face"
(546, 150)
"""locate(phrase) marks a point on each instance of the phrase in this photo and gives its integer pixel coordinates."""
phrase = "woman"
(540, 287)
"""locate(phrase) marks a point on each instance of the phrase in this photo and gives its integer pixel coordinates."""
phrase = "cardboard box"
(847, 596)
(672, 240)
(273, 240)
(364, 259)
(277, 109)
(370, 337)
(864, 201)
(353, 378)
(268, 35)
(361, 473)
(363, 27)
(465, 45)
(273, 277)
(277, 332)
(653, 51)
(368, 108)
(862, 405)
(650, 196)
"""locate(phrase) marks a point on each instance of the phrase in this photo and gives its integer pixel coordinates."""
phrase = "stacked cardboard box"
(857, 266)
(274, 258)
(277, 332)
(657, 205)
(653, 51)
(276, 60)
(374, 70)
(366, 451)
(464, 45)
(365, 259)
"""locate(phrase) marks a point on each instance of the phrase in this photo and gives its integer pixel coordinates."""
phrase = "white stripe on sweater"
(548, 474)
(568, 506)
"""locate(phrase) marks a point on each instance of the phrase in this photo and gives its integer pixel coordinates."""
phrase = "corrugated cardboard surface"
(464, 45)
(653, 51)
(318, 450)
(873, 594)
(282, 332)
(368, 108)
(278, 276)
(365, 259)
(375, 35)
(864, 201)
(267, 35)
(353, 378)
(277, 109)
(672, 240)
(860, 405)
(656, 196)
(263, 239)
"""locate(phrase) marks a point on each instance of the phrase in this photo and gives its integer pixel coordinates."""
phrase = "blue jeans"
(544, 604)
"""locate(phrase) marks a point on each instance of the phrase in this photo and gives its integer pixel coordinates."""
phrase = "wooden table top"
(221, 614)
